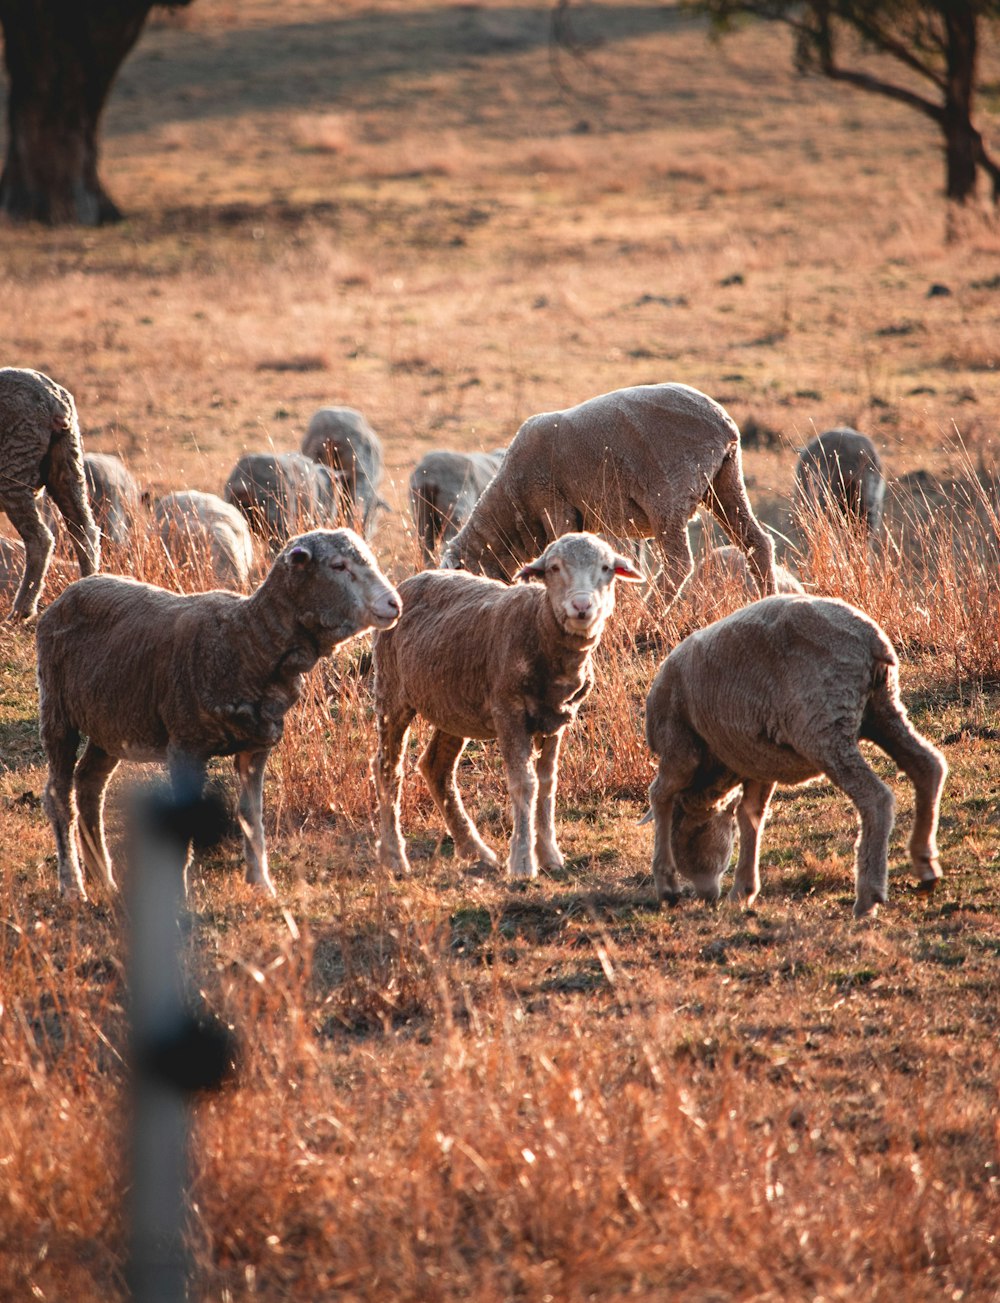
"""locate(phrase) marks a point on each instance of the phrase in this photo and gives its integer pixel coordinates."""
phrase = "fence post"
(174, 1051)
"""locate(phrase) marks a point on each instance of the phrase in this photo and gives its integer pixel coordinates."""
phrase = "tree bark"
(62, 57)
(963, 143)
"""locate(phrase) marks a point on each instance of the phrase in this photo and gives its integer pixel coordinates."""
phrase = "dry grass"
(451, 1089)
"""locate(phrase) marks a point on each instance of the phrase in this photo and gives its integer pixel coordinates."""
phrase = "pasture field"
(447, 1088)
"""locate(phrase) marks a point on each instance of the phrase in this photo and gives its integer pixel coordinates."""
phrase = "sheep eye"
(605, 569)
(554, 567)
(338, 565)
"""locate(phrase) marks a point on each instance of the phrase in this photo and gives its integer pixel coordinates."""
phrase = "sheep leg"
(59, 800)
(751, 815)
(547, 853)
(67, 487)
(187, 782)
(39, 543)
(728, 502)
(926, 769)
(438, 764)
(677, 563)
(517, 749)
(93, 772)
(250, 766)
(392, 731)
(876, 807)
(663, 790)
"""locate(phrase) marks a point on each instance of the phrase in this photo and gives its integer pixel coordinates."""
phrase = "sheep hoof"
(925, 885)
(522, 870)
(867, 909)
(928, 869)
(397, 866)
(481, 858)
(551, 863)
(743, 899)
(671, 898)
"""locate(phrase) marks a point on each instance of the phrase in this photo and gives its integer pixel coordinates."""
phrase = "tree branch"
(893, 46)
(865, 81)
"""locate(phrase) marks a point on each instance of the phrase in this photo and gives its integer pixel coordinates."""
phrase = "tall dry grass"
(449, 1089)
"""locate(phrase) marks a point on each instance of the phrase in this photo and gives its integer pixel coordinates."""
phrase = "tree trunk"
(963, 143)
(62, 57)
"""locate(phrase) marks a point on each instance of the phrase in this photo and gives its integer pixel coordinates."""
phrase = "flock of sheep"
(497, 643)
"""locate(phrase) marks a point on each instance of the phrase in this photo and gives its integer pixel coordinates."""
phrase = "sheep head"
(702, 839)
(579, 572)
(336, 586)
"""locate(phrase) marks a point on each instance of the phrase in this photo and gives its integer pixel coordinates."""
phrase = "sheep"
(635, 462)
(146, 674)
(479, 659)
(194, 527)
(114, 496)
(40, 448)
(726, 568)
(279, 492)
(444, 487)
(342, 439)
(840, 470)
(780, 692)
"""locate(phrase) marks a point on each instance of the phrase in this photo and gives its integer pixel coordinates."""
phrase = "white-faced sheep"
(279, 493)
(780, 692)
(635, 463)
(114, 494)
(342, 439)
(146, 674)
(840, 470)
(199, 529)
(479, 659)
(40, 448)
(723, 571)
(444, 487)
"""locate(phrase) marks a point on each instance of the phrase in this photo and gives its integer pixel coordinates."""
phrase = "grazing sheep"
(780, 692)
(146, 674)
(342, 439)
(726, 567)
(281, 492)
(478, 659)
(635, 463)
(841, 470)
(40, 448)
(444, 487)
(114, 496)
(195, 528)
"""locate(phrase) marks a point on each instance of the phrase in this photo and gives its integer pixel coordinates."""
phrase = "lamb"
(114, 496)
(780, 692)
(726, 568)
(636, 463)
(840, 470)
(479, 659)
(146, 674)
(40, 448)
(281, 492)
(197, 527)
(342, 439)
(444, 487)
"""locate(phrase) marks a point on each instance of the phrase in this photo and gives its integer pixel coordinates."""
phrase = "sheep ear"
(533, 570)
(298, 556)
(624, 569)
